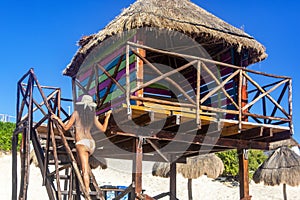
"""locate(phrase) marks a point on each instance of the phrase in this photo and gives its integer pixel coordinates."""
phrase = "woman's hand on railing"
(108, 113)
(53, 116)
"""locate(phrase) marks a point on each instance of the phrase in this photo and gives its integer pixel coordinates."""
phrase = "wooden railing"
(243, 94)
(243, 77)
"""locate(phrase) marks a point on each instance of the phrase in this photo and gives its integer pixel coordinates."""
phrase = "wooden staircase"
(54, 149)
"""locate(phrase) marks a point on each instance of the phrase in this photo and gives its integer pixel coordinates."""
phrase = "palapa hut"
(282, 167)
(175, 77)
(209, 165)
(179, 15)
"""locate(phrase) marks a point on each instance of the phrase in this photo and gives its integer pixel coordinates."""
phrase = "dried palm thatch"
(210, 165)
(282, 167)
(176, 15)
(161, 169)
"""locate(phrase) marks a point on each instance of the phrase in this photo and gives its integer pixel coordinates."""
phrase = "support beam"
(137, 168)
(243, 174)
(173, 180)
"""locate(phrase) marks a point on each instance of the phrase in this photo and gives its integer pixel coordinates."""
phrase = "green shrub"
(256, 158)
(231, 162)
(6, 132)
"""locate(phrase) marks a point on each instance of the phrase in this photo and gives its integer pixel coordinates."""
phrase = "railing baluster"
(240, 100)
(198, 119)
(291, 107)
(128, 82)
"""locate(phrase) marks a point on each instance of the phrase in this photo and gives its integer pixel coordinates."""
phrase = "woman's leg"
(84, 159)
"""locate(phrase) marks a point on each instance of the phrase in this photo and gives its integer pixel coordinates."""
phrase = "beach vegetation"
(231, 162)
(6, 133)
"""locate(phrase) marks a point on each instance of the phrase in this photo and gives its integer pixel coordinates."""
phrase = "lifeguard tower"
(176, 78)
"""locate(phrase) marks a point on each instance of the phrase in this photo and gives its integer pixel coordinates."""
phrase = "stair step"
(61, 151)
(61, 177)
(92, 193)
(57, 137)
(52, 162)
(64, 177)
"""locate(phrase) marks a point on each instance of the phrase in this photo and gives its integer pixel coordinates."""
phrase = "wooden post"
(128, 83)
(14, 149)
(14, 166)
(244, 96)
(25, 156)
(240, 100)
(137, 167)
(190, 189)
(243, 174)
(173, 180)
(140, 73)
(284, 192)
(198, 119)
(55, 160)
(291, 106)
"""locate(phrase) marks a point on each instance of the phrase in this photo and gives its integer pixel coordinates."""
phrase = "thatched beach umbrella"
(161, 169)
(209, 165)
(282, 167)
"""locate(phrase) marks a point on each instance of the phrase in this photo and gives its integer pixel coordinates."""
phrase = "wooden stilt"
(14, 149)
(173, 181)
(243, 174)
(137, 168)
(22, 158)
(14, 166)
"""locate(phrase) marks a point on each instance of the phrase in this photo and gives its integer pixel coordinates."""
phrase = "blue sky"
(43, 35)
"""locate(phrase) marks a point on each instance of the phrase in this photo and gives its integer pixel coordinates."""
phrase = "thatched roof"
(177, 15)
(210, 165)
(287, 142)
(282, 167)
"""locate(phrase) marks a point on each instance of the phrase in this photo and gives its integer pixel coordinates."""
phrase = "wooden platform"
(169, 131)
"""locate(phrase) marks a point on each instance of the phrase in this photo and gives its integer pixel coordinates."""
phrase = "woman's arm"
(69, 123)
(103, 127)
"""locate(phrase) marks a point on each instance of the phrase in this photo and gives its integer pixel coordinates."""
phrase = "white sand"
(118, 174)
